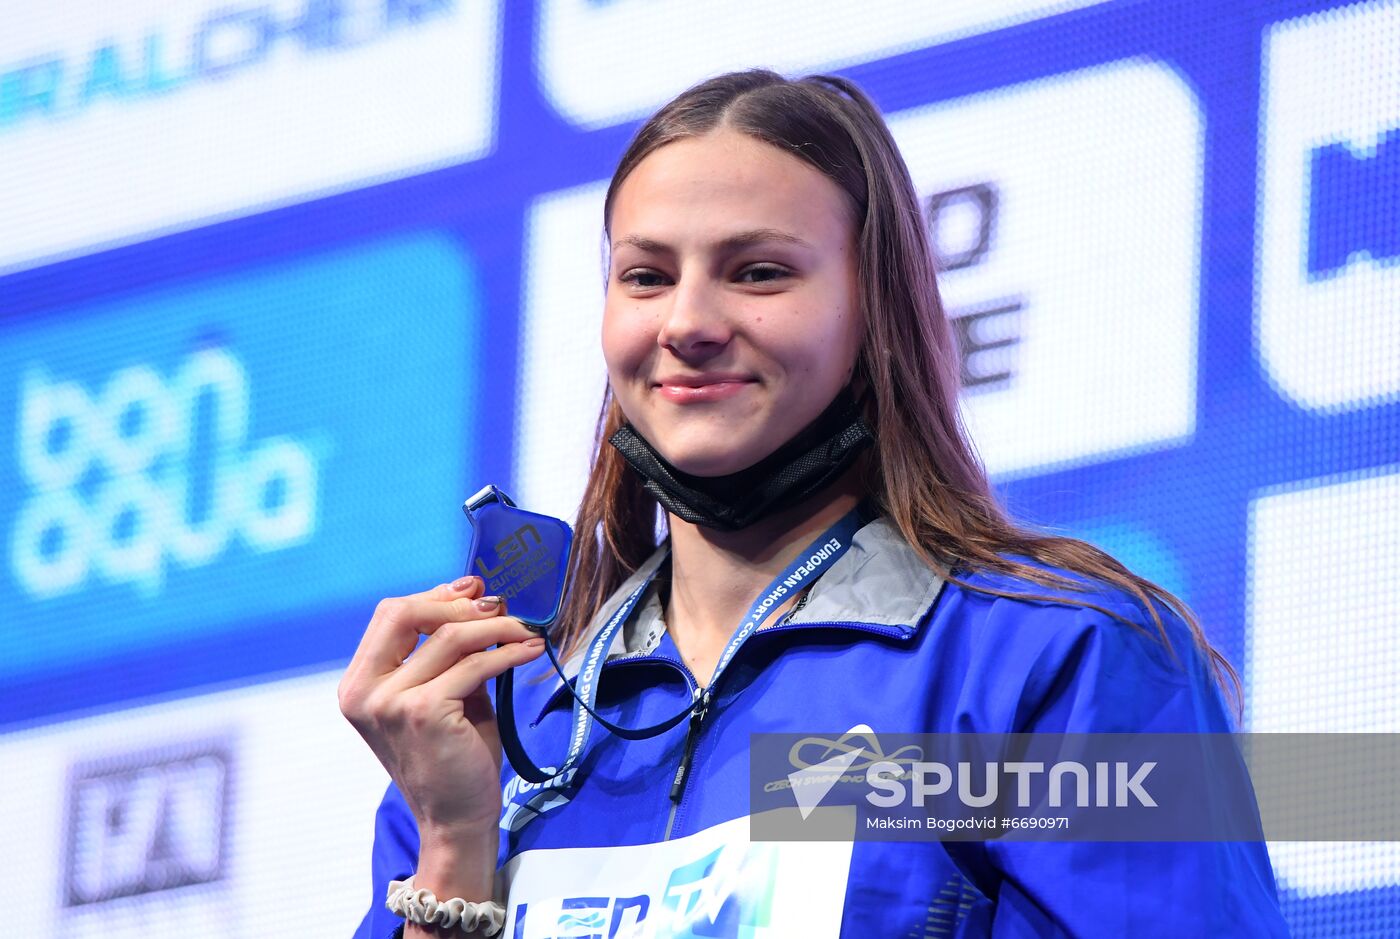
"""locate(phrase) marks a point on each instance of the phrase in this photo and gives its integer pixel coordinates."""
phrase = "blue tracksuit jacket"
(880, 641)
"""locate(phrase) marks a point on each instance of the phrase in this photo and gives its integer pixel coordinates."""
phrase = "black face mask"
(796, 470)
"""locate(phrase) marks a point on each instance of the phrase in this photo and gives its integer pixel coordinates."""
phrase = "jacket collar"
(879, 584)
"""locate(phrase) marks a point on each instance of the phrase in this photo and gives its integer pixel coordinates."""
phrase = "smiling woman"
(783, 394)
(733, 307)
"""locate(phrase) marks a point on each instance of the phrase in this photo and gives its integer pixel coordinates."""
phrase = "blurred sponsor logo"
(219, 44)
(123, 120)
(194, 460)
(960, 225)
(1070, 272)
(1329, 209)
(151, 822)
(139, 435)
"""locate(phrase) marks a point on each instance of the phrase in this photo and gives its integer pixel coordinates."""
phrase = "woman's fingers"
(472, 672)
(469, 586)
(426, 713)
(397, 623)
(458, 622)
(391, 636)
(450, 642)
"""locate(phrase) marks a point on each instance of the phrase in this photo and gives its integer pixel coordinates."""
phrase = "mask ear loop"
(867, 394)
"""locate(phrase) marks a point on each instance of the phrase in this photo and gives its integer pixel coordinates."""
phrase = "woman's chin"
(708, 463)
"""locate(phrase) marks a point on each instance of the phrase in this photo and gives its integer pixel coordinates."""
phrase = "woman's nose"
(695, 324)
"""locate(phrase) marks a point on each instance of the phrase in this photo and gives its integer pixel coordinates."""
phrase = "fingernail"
(462, 583)
(536, 643)
(487, 604)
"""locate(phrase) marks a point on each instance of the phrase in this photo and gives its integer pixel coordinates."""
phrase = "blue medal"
(521, 556)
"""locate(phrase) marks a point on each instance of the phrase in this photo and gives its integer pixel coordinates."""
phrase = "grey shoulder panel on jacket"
(881, 580)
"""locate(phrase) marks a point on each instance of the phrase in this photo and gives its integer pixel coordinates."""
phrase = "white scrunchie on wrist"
(422, 908)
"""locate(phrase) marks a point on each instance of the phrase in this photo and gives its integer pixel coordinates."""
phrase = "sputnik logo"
(811, 784)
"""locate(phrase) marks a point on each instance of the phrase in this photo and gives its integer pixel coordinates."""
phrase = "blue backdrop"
(247, 376)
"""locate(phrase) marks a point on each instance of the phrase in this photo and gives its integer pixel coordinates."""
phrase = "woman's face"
(733, 314)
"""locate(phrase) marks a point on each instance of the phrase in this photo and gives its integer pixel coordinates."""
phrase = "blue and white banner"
(119, 121)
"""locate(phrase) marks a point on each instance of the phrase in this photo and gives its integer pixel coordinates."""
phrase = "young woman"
(781, 378)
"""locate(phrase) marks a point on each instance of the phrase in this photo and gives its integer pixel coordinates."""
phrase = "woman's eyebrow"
(737, 240)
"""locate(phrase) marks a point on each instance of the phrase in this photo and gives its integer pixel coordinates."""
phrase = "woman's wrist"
(459, 861)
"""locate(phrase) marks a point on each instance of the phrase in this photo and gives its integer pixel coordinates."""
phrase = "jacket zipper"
(697, 718)
(697, 721)
(687, 755)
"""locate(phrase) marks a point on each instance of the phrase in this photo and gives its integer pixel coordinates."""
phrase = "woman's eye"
(765, 272)
(643, 279)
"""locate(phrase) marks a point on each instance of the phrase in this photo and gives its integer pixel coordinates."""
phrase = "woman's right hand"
(426, 713)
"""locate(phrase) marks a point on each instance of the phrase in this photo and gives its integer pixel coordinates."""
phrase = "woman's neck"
(716, 575)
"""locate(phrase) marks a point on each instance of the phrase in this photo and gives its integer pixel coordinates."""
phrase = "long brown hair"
(923, 471)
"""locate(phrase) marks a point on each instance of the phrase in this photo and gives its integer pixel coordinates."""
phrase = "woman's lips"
(712, 391)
